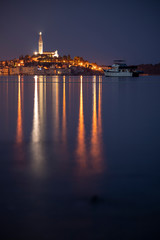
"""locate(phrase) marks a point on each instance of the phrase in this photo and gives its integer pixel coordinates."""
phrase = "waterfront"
(66, 141)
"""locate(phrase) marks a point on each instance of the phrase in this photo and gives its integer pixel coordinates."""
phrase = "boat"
(120, 69)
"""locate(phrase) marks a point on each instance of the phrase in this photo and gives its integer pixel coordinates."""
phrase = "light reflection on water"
(77, 137)
(81, 151)
(64, 130)
(96, 142)
(90, 159)
(36, 128)
(51, 123)
(19, 135)
(55, 103)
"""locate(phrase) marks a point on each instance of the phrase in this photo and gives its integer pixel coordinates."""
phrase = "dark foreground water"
(79, 158)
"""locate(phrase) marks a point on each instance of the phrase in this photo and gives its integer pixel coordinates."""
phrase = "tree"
(60, 58)
(64, 57)
(27, 57)
(76, 59)
(21, 57)
(81, 59)
(69, 58)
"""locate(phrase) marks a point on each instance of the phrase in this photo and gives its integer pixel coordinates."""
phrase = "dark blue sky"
(99, 31)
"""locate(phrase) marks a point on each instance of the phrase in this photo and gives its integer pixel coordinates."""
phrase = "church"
(40, 49)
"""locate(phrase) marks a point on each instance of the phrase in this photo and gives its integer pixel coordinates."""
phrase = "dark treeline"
(149, 69)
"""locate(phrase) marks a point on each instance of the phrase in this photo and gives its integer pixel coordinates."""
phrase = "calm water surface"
(64, 140)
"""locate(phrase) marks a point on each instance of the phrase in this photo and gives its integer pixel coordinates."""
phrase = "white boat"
(120, 69)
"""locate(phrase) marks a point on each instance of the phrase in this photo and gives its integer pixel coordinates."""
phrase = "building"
(40, 44)
(14, 70)
(5, 71)
(63, 71)
(40, 49)
(51, 54)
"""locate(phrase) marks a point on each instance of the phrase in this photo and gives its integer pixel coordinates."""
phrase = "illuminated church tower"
(40, 44)
(40, 49)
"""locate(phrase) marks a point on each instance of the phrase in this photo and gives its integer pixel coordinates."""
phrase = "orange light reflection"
(55, 94)
(81, 147)
(35, 129)
(96, 143)
(19, 133)
(64, 112)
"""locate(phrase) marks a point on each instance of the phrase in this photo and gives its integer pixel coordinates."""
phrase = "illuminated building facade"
(40, 44)
(51, 54)
(40, 49)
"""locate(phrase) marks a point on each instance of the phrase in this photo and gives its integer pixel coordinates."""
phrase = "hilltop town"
(51, 63)
(48, 63)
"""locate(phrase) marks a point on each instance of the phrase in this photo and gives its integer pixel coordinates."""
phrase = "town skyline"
(100, 32)
(43, 62)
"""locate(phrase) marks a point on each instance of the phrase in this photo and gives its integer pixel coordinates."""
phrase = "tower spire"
(40, 43)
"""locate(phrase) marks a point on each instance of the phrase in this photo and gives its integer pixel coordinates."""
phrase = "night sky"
(99, 31)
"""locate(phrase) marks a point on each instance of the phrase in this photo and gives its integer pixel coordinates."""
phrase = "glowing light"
(35, 53)
(35, 130)
(64, 111)
(40, 44)
(99, 106)
(81, 146)
(19, 136)
(95, 137)
(56, 54)
(37, 150)
(55, 91)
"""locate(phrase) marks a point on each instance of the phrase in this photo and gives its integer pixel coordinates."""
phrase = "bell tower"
(40, 44)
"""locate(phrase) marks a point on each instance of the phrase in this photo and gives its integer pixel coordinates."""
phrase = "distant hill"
(149, 69)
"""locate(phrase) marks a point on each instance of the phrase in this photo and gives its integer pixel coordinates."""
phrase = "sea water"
(79, 157)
